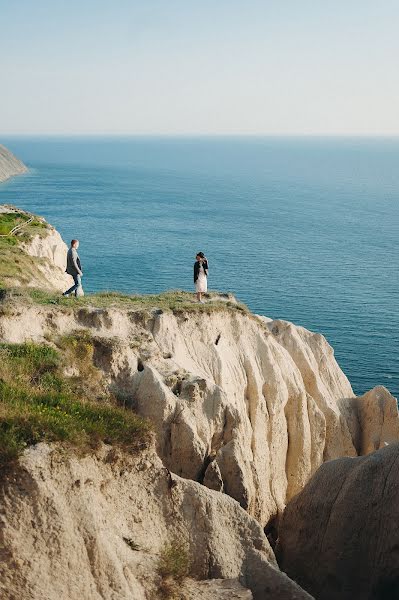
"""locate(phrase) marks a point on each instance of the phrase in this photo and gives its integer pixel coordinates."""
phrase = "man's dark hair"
(73, 242)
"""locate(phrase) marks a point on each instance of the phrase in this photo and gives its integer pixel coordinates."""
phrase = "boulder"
(339, 537)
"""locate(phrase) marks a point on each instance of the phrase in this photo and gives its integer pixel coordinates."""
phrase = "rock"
(339, 537)
(213, 478)
(40, 254)
(10, 165)
(69, 529)
(266, 406)
(324, 381)
(373, 420)
(215, 589)
(51, 251)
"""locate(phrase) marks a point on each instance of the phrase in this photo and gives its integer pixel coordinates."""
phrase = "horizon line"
(199, 135)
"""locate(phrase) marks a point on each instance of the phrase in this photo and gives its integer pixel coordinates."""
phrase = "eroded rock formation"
(339, 537)
(243, 406)
(94, 527)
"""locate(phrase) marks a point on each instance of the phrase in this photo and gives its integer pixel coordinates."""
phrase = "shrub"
(173, 566)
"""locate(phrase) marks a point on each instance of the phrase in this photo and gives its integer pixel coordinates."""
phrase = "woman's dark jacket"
(197, 265)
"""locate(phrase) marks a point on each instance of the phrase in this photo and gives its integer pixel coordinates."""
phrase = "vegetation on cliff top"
(38, 402)
(174, 300)
(16, 265)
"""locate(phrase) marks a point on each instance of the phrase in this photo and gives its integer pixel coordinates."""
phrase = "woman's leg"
(199, 296)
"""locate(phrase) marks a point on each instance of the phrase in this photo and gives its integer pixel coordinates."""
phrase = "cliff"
(96, 527)
(244, 410)
(33, 253)
(244, 405)
(10, 165)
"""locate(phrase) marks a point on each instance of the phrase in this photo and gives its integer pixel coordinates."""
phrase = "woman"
(201, 275)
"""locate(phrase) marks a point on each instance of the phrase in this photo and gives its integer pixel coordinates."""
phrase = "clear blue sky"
(204, 66)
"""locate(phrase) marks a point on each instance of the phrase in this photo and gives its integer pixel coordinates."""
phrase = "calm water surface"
(299, 229)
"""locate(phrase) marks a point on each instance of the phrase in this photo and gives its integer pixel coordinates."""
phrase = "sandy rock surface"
(94, 527)
(222, 589)
(52, 252)
(249, 407)
(339, 537)
(372, 420)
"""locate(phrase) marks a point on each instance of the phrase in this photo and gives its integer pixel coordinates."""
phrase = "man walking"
(74, 268)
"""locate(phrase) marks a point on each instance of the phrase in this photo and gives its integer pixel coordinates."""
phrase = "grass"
(10, 220)
(38, 403)
(78, 352)
(16, 265)
(174, 300)
(173, 566)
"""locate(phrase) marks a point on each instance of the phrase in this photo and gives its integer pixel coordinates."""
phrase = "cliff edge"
(10, 165)
(33, 253)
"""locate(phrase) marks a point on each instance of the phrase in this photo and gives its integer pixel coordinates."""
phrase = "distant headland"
(10, 165)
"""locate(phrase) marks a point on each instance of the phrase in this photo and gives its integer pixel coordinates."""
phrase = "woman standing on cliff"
(201, 275)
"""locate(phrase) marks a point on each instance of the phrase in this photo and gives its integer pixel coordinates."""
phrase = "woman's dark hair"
(200, 254)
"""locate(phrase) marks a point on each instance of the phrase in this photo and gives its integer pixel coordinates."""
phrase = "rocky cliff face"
(95, 527)
(34, 255)
(10, 165)
(246, 406)
(344, 524)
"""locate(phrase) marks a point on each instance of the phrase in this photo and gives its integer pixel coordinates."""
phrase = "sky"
(185, 67)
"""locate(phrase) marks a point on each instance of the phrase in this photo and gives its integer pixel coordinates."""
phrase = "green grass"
(14, 263)
(10, 220)
(175, 301)
(38, 403)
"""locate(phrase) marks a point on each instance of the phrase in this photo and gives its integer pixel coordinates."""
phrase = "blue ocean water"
(299, 229)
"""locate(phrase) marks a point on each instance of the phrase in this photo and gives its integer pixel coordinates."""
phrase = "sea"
(302, 229)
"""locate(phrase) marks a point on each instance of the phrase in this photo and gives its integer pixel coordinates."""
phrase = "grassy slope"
(15, 264)
(39, 403)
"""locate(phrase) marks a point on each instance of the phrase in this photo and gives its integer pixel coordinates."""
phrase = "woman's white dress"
(201, 285)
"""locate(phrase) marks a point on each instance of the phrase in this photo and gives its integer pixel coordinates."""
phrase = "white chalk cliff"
(42, 255)
(244, 405)
(92, 528)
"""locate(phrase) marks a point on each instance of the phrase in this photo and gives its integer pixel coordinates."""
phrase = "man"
(74, 268)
